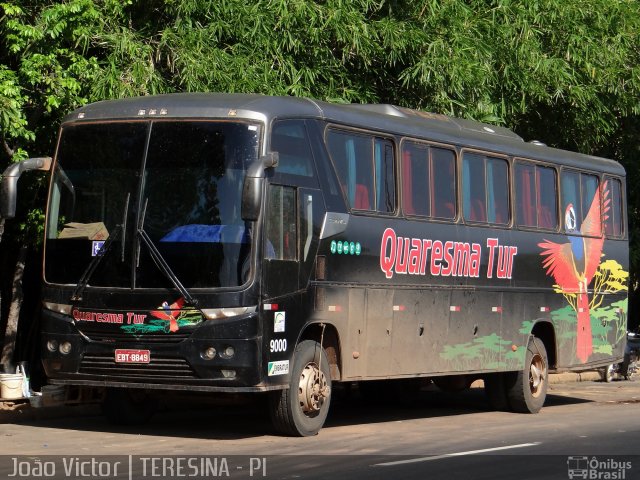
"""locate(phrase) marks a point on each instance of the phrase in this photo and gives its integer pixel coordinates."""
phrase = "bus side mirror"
(9, 185)
(253, 185)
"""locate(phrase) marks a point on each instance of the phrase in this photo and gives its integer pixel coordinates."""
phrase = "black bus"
(248, 243)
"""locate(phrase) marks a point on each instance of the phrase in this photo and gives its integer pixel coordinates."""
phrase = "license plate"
(133, 356)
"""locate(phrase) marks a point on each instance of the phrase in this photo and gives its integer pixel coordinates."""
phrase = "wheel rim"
(313, 389)
(537, 375)
(609, 373)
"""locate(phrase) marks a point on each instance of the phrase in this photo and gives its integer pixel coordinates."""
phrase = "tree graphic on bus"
(490, 351)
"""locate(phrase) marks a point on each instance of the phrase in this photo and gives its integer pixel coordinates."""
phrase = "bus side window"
(350, 154)
(536, 196)
(614, 220)
(415, 179)
(547, 198)
(364, 165)
(579, 192)
(525, 177)
(443, 183)
(385, 179)
(485, 182)
(428, 181)
(281, 229)
(571, 205)
(474, 195)
(497, 178)
(590, 193)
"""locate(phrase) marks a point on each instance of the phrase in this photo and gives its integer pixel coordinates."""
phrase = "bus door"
(294, 210)
(293, 217)
(280, 273)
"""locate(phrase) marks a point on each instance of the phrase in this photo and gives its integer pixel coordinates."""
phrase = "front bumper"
(176, 362)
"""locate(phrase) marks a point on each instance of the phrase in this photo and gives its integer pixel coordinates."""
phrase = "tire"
(632, 371)
(123, 406)
(629, 366)
(496, 386)
(302, 409)
(607, 373)
(529, 390)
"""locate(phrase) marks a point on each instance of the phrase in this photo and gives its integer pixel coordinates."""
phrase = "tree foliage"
(567, 73)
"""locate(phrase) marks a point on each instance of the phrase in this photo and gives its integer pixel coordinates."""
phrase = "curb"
(571, 377)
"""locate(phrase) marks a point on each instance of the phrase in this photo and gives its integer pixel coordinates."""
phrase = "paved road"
(442, 436)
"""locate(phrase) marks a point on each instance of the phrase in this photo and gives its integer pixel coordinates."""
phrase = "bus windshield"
(177, 183)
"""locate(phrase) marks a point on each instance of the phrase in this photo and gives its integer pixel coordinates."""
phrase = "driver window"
(281, 224)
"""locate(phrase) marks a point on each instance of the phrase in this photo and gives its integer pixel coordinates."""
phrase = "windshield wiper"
(86, 275)
(124, 229)
(159, 260)
(93, 264)
(164, 267)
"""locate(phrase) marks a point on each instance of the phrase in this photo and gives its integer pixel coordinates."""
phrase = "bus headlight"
(209, 353)
(233, 312)
(216, 313)
(229, 352)
(65, 348)
(52, 345)
(58, 307)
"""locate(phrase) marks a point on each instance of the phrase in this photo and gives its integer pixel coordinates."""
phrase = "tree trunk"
(1, 233)
(14, 313)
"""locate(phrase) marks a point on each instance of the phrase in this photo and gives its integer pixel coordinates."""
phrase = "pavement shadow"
(225, 418)
(561, 400)
(354, 408)
(240, 417)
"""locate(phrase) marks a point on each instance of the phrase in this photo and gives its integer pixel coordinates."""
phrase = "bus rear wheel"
(529, 390)
(302, 409)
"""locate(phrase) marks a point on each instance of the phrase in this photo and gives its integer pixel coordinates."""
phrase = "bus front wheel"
(529, 390)
(302, 409)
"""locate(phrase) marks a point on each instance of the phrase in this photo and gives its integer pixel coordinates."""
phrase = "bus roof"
(378, 117)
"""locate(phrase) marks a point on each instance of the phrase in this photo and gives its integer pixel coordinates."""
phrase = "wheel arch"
(327, 335)
(545, 331)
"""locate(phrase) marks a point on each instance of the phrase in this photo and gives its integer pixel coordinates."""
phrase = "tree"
(565, 73)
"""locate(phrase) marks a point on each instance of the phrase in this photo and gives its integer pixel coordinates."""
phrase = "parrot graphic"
(573, 264)
(169, 313)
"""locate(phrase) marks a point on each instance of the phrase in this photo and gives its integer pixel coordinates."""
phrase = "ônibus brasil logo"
(593, 468)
